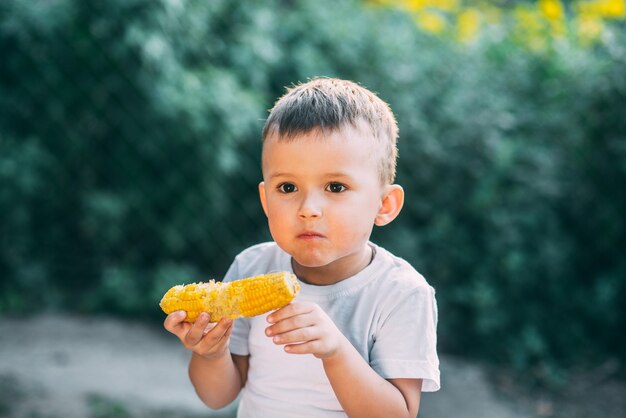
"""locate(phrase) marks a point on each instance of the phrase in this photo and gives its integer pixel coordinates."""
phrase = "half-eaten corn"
(240, 298)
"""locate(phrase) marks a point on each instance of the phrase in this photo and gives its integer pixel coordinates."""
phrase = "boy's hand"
(209, 340)
(305, 328)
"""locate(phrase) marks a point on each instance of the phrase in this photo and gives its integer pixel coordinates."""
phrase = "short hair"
(330, 104)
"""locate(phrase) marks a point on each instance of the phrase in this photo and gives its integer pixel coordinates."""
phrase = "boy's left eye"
(336, 188)
(287, 188)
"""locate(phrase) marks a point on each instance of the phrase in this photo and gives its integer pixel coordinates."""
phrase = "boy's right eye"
(287, 188)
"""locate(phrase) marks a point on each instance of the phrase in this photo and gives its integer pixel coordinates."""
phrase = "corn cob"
(240, 298)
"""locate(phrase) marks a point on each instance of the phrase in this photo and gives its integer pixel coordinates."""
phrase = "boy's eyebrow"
(336, 174)
(279, 174)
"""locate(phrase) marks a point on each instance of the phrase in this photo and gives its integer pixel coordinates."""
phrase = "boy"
(360, 339)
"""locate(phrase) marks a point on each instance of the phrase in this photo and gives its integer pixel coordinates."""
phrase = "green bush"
(129, 148)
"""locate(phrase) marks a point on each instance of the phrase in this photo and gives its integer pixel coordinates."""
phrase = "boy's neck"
(336, 271)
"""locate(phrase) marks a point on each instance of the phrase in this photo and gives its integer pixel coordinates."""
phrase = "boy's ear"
(262, 196)
(390, 207)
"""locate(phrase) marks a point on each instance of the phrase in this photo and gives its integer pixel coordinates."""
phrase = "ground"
(54, 366)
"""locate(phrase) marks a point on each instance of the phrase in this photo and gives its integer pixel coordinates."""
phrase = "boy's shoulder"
(399, 267)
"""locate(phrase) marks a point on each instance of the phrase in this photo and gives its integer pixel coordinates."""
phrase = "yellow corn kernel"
(241, 298)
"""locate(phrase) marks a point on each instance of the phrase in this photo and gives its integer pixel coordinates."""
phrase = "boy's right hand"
(209, 340)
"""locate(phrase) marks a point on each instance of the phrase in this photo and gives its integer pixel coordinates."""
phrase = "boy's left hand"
(305, 328)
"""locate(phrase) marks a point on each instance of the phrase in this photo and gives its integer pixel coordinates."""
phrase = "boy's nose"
(310, 207)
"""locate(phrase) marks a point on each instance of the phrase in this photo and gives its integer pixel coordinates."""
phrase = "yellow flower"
(447, 5)
(588, 28)
(553, 12)
(551, 9)
(414, 5)
(614, 8)
(468, 24)
(431, 21)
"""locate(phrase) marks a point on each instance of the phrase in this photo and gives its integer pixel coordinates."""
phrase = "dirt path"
(64, 366)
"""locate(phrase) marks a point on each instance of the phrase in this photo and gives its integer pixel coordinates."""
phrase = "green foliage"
(129, 148)
(117, 137)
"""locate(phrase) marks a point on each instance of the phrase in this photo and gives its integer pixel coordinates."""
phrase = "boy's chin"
(308, 263)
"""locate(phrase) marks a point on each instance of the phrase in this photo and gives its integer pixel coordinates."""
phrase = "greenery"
(129, 148)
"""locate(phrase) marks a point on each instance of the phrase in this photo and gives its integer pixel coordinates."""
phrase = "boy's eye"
(336, 188)
(287, 188)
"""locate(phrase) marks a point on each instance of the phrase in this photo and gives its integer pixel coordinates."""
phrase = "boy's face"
(322, 195)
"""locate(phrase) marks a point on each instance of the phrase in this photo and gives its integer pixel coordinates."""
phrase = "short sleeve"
(405, 344)
(241, 327)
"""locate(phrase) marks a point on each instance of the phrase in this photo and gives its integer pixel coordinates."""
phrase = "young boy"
(360, 338)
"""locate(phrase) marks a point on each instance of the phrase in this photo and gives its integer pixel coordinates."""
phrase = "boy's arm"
(364, 393)
(217, 381)
(305, 329)
(216, 375)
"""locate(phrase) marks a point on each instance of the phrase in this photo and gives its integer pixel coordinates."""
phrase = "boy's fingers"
(298, 335)
(196, 332)
(290, 310)
(174, 321)
(209, 327)
(308, 347)
(290, 324)
(218, 333)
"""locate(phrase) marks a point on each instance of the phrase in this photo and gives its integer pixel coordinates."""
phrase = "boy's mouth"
(309, 235)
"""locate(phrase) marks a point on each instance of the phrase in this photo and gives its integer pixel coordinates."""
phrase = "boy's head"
(329, 150)
(329, 105)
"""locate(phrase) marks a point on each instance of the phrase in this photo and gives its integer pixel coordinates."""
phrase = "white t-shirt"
(387, 311)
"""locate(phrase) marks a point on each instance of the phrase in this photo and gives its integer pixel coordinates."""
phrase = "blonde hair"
(330, 104)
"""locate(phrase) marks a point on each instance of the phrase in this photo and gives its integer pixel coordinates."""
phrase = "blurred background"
(129, 160)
